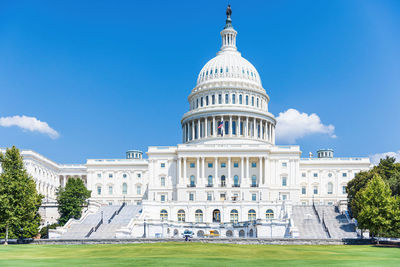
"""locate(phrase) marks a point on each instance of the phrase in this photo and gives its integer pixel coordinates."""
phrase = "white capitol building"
(228, 175)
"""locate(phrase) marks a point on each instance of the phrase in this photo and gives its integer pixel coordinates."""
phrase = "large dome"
(231, 65)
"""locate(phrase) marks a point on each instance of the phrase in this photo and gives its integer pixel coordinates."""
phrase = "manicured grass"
(197, 254)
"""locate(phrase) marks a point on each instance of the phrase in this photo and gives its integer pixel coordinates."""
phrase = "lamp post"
(144, 228)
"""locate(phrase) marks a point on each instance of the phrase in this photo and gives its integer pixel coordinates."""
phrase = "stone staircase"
(337, 224)
(307, 223)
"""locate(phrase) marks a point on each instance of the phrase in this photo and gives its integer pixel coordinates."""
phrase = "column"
(238, 127)
(273, 134)
(203, 173)
(230, 125)
(198, 171)
(205, 128)
(198, 129)
(247, 168)
(254, 128)
(241, 170)
(216, 170)
(192, 131)
(266, 168)
(247, 127)
(260, 170)
(229, 172)
(179, 171)
(184, 171)
(214, 127)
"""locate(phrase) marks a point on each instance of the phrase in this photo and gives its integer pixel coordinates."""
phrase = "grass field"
(197, 254)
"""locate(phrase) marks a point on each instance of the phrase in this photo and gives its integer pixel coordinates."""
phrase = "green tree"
(71, 199)
(375, 206)
(19, 200)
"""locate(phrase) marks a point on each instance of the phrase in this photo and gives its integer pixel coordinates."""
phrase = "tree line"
(20, 201)
(374, 199)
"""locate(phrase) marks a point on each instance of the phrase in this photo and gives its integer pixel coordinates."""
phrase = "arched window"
(252, 101)
(192, 181)
(229, 233)
(210, 180)
(198, 216)
(241, 233)
(124, 188)
(247, 100)
(163, 215)
(200, 233)
(252, 215)
(254, 181)
(236, 181)
(269, 214)
(251, 233)
(233, 98)
(234, 216)
(223, 181)
(181, 216)
(240, 99)
(216, 215)
(330, 188)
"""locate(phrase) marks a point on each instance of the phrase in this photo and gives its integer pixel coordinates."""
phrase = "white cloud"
(30, 124)
(292, 125)
(377, 157)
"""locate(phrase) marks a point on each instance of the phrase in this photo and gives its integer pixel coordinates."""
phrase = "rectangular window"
(226, 99)
(162, 198)
(240, 99)
(315, 174)
(139, 175)
(233, 99)
(162, 181)
(284, 197)
(222, 196)
(284, 164)
(213, 99)
(99, 190)
(110, 190)
(284, 181)
(210, 165)
(303, 174)
(162, 165)
(223, 165)
(344, 190)
(252, 101)
(219, 99)
(138, 190)
(197, 103)
(236, 165)
(110, 175)
(247, 100)
(254, 197)
(206, 100)
(201, 101)
(254, 164)
(315, 190)
(344, 174)
(192, 165)
(209, 196)
(303, 190)
(99, 175)
(191, 197)
(257, 101)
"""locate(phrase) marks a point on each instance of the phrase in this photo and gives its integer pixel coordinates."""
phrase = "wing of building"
(228, 177)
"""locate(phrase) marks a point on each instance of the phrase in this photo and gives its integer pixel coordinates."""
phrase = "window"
(234, 127)
(254, 164)
(110, 190)
(254, 197)
(303, 190)
(209, 196)
(315, 174)
(329, 174)
(124, 188)
(198, 215)
(233, 98)
(162, 165)
(269, 214)
(284, 181)
(197, 103)
(181, 216)
(330, 188)
(344, 174)
(191, 196)
(252, 101)
(139, 175)
(192, 181)
(223, 181)
(99, 175)
(192, 165)
(226, 99)
(344, 190)
(124, 175)
(254, 181)
(252, 215)
(206, 100)
(247, 100)
(210, 180)
(201, 101)
(236, 165)
(315, 190)
(240, 99)
(222, 196)
(223, 165)
(219, 99)
(257, 101)
(210, 165)
(163, 215)
(162, 198)
(138, 190)
(110, 175)
(284, 164)
(234, 216)
(236, 181)
(162, 181)
(303, 174)
(99, 190)
(213, 99)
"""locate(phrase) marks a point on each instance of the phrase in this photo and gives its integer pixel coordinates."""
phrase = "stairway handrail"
(316, 212)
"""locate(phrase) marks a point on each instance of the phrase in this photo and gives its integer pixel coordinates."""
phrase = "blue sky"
(109, 76)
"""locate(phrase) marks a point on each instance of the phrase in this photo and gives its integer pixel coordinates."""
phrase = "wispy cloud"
(292, 125)
(29, 124)
(377, 157)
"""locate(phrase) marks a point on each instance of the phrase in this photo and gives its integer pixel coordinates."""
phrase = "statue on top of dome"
(228, 11)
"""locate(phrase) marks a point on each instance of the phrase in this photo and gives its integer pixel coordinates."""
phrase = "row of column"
(233, 126)
(202, 179)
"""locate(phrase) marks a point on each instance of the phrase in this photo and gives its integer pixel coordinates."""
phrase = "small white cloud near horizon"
(375, 159)
(292, 125)
(29, 124)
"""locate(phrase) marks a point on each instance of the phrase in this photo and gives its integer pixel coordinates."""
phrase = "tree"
(71, 199)
(354, 186)
(19, 200)
(375, 206)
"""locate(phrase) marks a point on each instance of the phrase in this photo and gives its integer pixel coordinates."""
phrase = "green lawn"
(196, 254)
